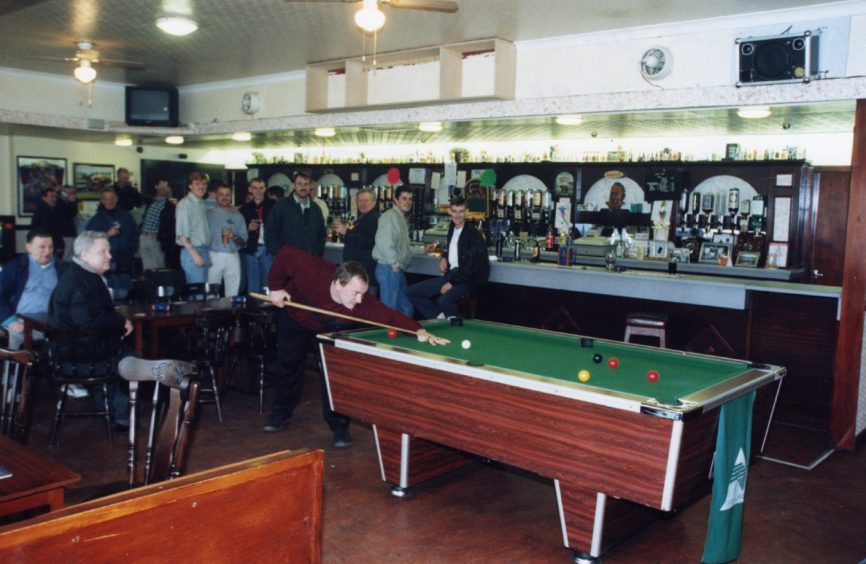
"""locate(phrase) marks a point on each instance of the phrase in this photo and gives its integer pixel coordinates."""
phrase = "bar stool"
(647, 325)
(468, 306)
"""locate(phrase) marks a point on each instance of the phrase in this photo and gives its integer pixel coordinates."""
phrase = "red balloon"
(393, 176)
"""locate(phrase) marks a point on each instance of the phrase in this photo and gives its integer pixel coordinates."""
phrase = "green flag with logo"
(731, 467)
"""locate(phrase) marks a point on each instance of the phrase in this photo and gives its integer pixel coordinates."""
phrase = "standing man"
(359, 240)
(67, 211)
(48, 218)
(296, 276)
(392, 252)
(296, 221)
(228, 235)
(256, 213)
(192, 233)
(121, 229)
(157, 228)
(26, 283)
(465, 267)
(128, 196)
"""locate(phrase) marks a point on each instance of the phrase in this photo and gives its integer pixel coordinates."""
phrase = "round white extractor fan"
(656, 63)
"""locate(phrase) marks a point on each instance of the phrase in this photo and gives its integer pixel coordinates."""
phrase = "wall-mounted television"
(155, 107)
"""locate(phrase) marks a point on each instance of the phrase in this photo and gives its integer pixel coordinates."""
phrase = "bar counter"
(727, 292)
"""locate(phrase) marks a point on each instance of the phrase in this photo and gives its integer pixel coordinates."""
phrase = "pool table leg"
(593, 522)
(405, 461)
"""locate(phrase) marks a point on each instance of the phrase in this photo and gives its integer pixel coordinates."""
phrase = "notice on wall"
(781, 219)
(417, 175)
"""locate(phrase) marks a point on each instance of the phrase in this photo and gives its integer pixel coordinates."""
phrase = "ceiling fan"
(86, 57)
(370, 18)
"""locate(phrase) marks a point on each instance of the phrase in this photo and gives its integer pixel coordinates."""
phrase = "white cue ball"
(466, 344)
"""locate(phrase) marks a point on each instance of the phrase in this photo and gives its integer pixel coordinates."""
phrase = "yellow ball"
(583, 375)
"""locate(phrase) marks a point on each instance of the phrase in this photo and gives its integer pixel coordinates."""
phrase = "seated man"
(81, 301)
(26, 283)
(300, 277)
(465, 267)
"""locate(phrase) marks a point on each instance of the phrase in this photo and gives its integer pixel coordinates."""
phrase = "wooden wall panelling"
(849, 344)
(828, 224)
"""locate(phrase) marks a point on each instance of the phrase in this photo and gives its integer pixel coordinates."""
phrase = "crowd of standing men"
(274, 242)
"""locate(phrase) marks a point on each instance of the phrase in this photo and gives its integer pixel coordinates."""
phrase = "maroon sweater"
(308, 279)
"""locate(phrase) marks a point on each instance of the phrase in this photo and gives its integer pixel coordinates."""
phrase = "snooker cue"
(290, 303)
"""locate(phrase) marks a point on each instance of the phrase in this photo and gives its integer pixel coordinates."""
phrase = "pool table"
(618, 447)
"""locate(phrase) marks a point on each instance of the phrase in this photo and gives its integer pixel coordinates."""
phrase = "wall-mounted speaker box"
(777, 59)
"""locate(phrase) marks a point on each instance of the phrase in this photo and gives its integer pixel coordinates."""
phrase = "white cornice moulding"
(242, 82)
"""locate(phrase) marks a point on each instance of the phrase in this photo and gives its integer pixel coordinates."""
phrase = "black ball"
(597, 358)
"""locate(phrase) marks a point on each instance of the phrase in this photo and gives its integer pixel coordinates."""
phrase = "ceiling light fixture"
(325, 132)
(242, 136)
(430, 126)
(572, 119)
(370, 18)
(123, 142)
(176, 25)
(84, 72)
(754, 112)
(174, 139)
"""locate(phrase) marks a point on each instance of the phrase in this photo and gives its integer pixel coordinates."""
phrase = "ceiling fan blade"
(57, 59)
(118, 63)
(444, 6)
(322, 1)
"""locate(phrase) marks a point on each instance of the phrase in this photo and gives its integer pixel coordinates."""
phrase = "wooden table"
(36, 481)
(181, 314)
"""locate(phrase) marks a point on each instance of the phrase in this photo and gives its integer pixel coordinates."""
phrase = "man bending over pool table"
(301, 277)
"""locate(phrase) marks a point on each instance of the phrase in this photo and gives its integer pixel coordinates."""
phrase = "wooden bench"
(267, 509)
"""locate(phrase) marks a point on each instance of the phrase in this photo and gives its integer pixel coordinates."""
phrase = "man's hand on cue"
(426, 337)
(280, 297)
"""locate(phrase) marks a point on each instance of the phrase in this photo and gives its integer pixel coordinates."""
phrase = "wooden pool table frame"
(611, 455)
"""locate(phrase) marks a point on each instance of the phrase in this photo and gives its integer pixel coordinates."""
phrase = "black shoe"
(277, 423)
(342, 439)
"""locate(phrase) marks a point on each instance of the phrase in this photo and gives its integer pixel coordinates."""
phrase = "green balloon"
(488, 178)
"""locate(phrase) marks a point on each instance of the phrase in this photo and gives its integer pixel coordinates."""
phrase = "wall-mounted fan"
(86, 57)
(656, 63)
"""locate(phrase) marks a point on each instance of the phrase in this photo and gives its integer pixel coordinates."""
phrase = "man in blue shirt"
(26, 284)
(121, 229)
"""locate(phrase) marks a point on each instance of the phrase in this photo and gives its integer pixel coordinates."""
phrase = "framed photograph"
(777, 255)
(748, 259)
(724, 238)
(732, 151)
(90, 179)
(34, 175)
(658, 249)
(712, 252)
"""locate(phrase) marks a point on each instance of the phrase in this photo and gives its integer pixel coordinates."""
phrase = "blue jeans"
(422, 294)
(392, 289)
(258, 266)
(194, 274)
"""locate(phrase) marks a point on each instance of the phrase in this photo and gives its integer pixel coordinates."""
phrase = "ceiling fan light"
(430, 126)
(370, 18)
(84, 72)
(325, 132)
(123, 142)
(571, 119)
(242, 136)
(174, 139)
(754, 112)
(176, 25)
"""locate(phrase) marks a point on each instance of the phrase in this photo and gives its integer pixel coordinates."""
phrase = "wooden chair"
(15, 394)
(86, 358)
(209, 349)
(257, 346)
(170, 423)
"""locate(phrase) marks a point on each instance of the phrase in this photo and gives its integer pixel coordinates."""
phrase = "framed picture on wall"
(777, 255)
(748, 259)
(712, 253)
(90, 179)
(34, 175)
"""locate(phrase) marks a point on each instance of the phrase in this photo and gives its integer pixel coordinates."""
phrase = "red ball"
(613, 362)
(392, 334)
(652, 375)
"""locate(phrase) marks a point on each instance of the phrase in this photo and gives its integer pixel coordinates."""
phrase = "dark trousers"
(293, 343)
(422, 295)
